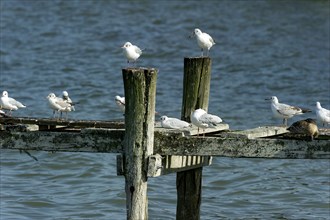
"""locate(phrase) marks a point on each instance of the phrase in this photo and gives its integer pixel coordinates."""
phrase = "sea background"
(263, 48)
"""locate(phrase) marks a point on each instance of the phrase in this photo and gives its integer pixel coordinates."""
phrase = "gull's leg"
(202, 52)
(285, 121)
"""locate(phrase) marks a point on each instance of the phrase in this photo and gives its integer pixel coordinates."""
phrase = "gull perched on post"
(202, 119)
(174, 123)
(322, 114)
(131, 52)
(204, 40)
(285, 111)
(8, 103)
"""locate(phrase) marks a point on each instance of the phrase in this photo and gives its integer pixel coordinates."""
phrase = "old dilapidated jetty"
(146, 150)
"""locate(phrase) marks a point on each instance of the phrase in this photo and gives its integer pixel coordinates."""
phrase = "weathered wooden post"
(196, 90)
(140, 92)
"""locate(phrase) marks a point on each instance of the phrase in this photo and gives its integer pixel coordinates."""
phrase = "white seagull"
(131, 52)
(174, 123)
(8, 103)
(322, 114)
(58, 104)
(204, 41)
(66, 98)
(202, 119)
(284, 111)
(120, 101)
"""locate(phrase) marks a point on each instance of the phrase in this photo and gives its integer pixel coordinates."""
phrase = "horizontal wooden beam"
(110, 141)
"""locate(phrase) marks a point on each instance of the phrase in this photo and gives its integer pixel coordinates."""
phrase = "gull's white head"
(120, 99)
(51, 96)
(163, 118)
(4, 94)
(65, 94)
(318, 105)
(274, 99)
(200, 111)
(127, 45)
(197, 32)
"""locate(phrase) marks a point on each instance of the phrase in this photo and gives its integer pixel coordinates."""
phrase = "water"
(263, 48)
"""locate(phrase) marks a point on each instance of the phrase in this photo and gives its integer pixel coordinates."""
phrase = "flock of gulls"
(200, 118)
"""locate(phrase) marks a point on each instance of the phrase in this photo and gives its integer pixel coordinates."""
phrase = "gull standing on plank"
(174, 123)
(201, 119)
(204, 41)
(285, 111)
(306, 127)
(66, 98)
(8, 103)
(131, 52)
(322, 114)
(58, 104)
(120, 101)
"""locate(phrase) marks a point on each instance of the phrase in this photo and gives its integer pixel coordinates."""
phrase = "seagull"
(322, 114)
(8, 103)
(201, 119)
(204, 40)
(174, 123)
(66, 98)
(58, 104)
(120, 101)
(306, 127)
(285, 111)
(131, 52)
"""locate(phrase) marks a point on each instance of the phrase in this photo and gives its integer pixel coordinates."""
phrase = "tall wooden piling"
(196, 90)
(140, 93)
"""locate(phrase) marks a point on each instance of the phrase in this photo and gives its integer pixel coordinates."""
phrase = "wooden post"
(196, 90)
(140, 92)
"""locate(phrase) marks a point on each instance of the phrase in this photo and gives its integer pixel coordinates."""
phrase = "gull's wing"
(209, 38)
(137, 50)
(288, 110)
(15, 103)
(210, 119)
(326, 112)
(177, 123)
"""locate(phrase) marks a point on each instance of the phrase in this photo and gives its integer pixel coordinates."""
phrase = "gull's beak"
(268, 99)
(192, 35)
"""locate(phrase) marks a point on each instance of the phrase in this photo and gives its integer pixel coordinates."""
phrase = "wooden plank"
(237, 147)
(159, 165)
(259, 132)
(61, 122)
(193, 130)
(110, 141)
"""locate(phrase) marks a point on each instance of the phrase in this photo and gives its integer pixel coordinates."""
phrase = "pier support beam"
(196, 90)
(140, 93)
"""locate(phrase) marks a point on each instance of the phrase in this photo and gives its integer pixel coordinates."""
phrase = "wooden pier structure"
(146, 150)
